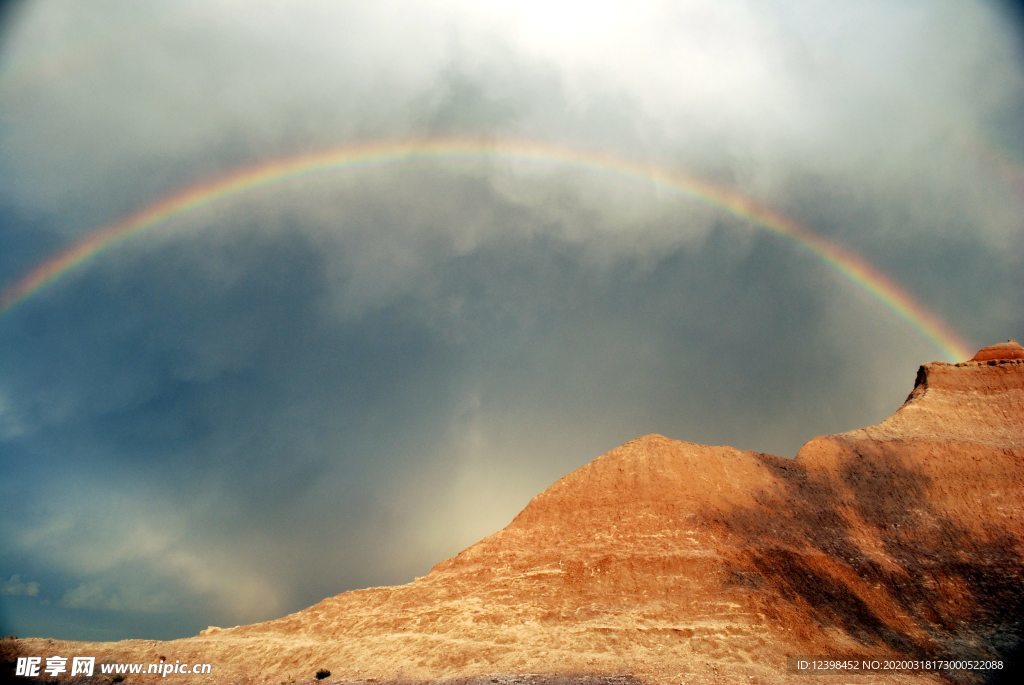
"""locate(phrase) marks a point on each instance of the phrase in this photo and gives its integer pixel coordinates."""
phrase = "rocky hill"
(676, 562)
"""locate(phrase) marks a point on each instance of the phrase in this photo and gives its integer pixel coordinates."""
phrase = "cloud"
(11, 425)
(93, 596)
(16, 587)
(133, 559)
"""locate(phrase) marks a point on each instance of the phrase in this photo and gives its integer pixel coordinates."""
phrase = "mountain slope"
(672, 560)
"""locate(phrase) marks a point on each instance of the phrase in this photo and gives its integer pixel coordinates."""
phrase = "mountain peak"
(981, 400)
(1011, 349)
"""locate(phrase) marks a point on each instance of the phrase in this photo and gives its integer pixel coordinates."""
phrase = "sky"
(536, 230)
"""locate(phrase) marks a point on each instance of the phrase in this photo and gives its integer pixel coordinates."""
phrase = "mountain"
(678, 562)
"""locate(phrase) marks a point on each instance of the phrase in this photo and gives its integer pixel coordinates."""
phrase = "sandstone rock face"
(677, 562)
(1011, 349)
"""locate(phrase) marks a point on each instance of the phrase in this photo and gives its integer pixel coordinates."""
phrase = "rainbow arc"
(847, 263)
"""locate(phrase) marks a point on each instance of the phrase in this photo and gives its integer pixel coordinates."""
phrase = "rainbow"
(844, 261)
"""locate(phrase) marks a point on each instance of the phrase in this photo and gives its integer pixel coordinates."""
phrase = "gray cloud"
(15, 586)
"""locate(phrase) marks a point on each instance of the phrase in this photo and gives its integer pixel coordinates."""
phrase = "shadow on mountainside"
(864, 549)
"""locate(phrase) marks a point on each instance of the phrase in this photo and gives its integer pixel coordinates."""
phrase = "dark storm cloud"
(223, 418)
